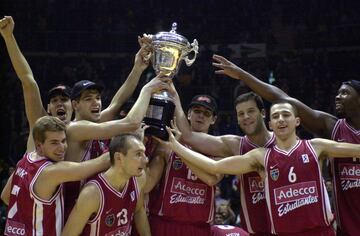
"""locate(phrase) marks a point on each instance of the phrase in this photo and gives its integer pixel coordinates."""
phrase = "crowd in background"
(311, 47)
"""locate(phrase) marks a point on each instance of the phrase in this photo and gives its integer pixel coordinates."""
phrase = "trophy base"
(157, 131)
(159, 115)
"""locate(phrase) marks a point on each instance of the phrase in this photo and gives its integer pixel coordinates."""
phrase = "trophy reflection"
(168, 50)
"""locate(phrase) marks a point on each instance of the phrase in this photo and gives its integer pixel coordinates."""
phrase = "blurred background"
(307, 48)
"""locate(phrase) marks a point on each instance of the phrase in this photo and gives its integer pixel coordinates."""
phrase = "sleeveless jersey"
(27, 213)
(295, 191)
(116, 212)
(346, 181)
(181, 195)
(252, 194)
(94, 149)
(227, 230)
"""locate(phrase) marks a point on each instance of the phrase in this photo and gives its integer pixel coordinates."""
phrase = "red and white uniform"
(116, 212)
(181, 199)
(346, 181)
(94, 149)
(252, 195)
(295, 192)
(28, 214)
(227, 230)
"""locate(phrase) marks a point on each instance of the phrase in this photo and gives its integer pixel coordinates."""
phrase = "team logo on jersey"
(274, 174)
(109, 220)
(177, 164)
(305, 158)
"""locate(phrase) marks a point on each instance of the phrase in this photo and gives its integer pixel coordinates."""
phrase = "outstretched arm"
(33, 105)
(127, 89)
(233, 165)
(317, 122)
(329, 148)
(87, 204)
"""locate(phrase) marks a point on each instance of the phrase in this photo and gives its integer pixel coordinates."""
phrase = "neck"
(286, 143)
(354, 121)
(116, 178)
(261, 138)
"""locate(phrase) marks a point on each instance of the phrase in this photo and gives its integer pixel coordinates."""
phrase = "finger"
(169, 131)
(219, 65)
(220, 72)
(219, 58)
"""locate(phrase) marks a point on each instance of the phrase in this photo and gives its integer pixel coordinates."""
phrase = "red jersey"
(295, 191)
(182, 196)
(116, 212)
(346, 181)
(252, 194)
(227, 230)
(94, 149)
(28, 214)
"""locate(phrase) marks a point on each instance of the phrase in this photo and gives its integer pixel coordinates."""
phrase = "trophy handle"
(195, 48)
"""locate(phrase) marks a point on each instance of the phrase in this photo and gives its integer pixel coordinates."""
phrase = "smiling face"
(201, 118)
(88, 106)
(283, 121)
(54, 146)
(60, 107)
(250, 118)
(347, 101)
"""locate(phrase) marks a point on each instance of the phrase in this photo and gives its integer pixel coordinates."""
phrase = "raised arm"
(234, 165)
(86, 130)
(221, 146)
(87, 204)
(327, 148)
(128, 87)
(33, 105)
(65, 171)
(156, 167)
(317, 122)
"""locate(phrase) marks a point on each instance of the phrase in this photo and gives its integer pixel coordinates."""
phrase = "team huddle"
(92, 171)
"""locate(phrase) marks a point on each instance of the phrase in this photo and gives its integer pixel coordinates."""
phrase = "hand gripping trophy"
(168, 50)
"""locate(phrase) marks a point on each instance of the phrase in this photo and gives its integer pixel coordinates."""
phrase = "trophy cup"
(168, 50)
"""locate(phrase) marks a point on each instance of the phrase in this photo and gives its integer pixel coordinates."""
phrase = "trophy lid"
(171, 36)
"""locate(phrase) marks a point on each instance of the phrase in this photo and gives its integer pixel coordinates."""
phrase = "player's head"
(59, 103)
(283, 119)
(86, 100)
(202, 113)
(347, 101)
(50, 137)
(250, 113)
(128, 153)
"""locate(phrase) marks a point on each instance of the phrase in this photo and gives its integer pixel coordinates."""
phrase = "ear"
(263, 113)
(74, 104)
(213, 120)
(189, 114)
(297, 121)
(119, 157)
(48, 108)
(270, 127)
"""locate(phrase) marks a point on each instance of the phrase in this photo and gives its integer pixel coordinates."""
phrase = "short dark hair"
(248, 97)
(121, 144)
(284, 101)
(44, 124)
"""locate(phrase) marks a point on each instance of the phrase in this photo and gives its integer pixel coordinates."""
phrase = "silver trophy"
(168, 50)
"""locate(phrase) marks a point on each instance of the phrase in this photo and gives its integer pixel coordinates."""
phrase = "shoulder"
(91, 193)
